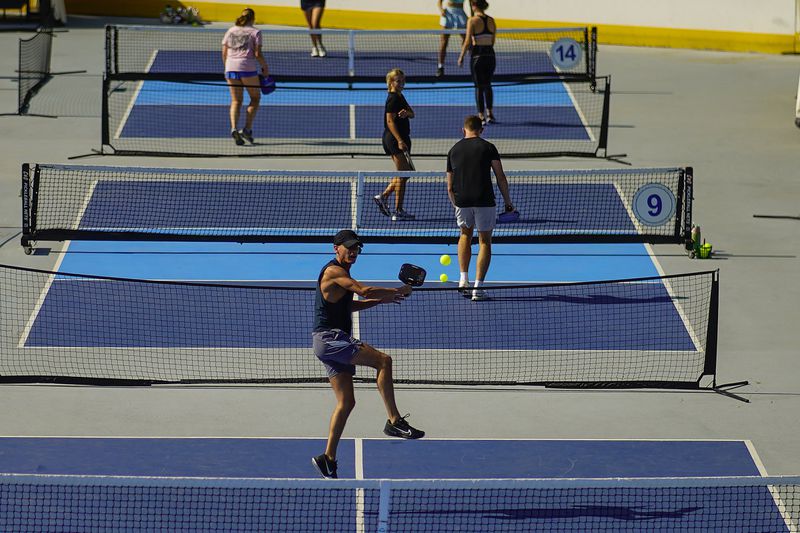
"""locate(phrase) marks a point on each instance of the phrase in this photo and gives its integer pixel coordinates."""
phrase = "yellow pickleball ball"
(445, 260)
(443, 278)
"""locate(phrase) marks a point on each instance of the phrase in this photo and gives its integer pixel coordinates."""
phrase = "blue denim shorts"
(234, 75)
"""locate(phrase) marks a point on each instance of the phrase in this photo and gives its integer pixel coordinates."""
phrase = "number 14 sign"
(565, 53)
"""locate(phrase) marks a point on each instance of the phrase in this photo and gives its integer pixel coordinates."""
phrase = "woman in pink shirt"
(241, 53)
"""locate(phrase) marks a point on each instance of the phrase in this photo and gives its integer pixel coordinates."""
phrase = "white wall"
(752, 16)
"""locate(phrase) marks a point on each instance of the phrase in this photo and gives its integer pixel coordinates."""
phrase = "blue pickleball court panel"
(323, 122)
(237, 205)
(168, 457)
(53, 508)
(474, 459)
(367, 63)
(592, 510)
(361, 94)
(204, 121)
(520, 511)
(101, 313)
(164, 509)
(593, 317)
(544, 207)
(231, 205)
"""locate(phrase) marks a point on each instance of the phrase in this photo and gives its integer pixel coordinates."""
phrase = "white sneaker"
(402, 215)
(314, 51)
(479, 295)
(322, 51)
(464, 290)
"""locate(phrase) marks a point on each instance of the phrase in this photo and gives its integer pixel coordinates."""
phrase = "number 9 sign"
(565, 53)
(653, 204)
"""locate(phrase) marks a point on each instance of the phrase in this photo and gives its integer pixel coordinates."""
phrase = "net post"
(603, 142)
(104, 133)
(384, 503)
(710, 367)
(30, 200)
(20, 90)
(351, 53)
(359, 200)
(26, 221)
(111, 48)
(688, 196)
(591, 64)
(49, 56)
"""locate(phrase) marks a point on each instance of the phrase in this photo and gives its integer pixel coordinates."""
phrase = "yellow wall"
(607, 34)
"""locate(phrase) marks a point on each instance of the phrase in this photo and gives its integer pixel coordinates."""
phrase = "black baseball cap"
(347, 238)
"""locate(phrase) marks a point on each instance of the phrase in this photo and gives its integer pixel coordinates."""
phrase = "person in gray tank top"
(340, 352)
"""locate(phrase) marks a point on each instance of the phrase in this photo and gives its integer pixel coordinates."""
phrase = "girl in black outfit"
(396, 143)
(480, 37)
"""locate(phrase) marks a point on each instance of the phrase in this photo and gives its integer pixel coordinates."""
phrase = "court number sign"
(566, 53)
(653, 204)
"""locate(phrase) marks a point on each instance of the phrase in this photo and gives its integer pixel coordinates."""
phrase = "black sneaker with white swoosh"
(327, 467)
(402, 429)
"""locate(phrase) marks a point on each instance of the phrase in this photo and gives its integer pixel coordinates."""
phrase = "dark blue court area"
(366, 63)
(321, 110)
(299, 206)
(98, 313)
(357, 510)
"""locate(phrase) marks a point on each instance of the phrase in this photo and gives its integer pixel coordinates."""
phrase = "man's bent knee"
(347, 404)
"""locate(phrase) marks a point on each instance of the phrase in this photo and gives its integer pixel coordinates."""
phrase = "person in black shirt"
(396, 143)
(481, 30)
(469, 185)
(340, 352)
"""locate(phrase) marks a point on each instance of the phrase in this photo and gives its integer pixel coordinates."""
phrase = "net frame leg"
(725, 389)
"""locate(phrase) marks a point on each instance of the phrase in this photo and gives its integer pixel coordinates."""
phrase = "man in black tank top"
(340, 352)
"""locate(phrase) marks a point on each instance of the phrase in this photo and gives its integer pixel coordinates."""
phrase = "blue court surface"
(532, 112)
(425, 459)
(297, 207)
(325, 110)
(366, 63)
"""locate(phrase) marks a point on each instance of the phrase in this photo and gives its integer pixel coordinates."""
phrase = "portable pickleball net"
(164, 93)
(89, 503)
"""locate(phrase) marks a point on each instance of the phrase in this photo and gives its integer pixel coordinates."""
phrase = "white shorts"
(453, 19)
(480, 218)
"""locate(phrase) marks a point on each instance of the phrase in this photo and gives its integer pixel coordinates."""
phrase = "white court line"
(352, 121)
(678, 307)
(631, 215)
(580, 113)
(129, 108)
(791, 524)
(26, 331)
(361, 526)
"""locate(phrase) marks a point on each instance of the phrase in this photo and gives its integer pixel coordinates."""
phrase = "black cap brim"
(351, 242)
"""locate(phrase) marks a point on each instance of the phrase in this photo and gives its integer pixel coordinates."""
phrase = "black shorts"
(390, 144)
(305, 5)
(482, 67)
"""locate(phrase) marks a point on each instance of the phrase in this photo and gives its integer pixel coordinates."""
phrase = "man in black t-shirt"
(469, 185)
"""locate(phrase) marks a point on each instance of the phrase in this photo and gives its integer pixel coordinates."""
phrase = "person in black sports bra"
(481, 30)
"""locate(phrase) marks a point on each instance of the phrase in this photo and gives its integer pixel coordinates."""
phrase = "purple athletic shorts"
(234, 75)
(336, 349)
